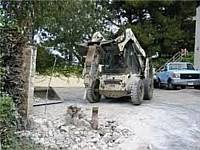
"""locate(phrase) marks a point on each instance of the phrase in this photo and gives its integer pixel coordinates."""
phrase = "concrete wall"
(42, 81)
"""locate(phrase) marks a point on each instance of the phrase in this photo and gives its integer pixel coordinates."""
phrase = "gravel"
(73, 132)
(170, 121)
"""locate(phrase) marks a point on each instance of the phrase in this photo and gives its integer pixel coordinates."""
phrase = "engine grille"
(116, 81)
(189, 76)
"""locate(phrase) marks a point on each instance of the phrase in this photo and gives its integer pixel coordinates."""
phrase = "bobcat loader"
(117, 68)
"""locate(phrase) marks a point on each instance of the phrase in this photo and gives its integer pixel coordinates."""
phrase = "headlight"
(176, 75)
(154, 77)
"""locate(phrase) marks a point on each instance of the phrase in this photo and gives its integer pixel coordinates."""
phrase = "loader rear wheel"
(92, 93)
(137, 92)
(148, 89)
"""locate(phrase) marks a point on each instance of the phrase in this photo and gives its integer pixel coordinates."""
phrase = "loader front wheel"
(137, 92)
(148, 89)
(92, 93)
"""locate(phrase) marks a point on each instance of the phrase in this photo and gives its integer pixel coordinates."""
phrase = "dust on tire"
(92, 94)
(148, 89)
(137, 91)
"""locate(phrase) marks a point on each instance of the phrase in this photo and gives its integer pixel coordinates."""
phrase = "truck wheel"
(148, 89)
(183, 86)
(170, 85)
(197, 87)
(155, 84)
(137, 92)
(159, 84)
(92, 94)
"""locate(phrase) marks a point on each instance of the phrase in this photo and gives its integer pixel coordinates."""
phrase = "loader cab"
(122, 62)
(124, 70)
(114, 63)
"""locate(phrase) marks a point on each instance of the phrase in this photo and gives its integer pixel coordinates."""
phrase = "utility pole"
(197, 38)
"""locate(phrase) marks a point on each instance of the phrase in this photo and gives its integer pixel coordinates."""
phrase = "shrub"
(189, 58)
(8, 122)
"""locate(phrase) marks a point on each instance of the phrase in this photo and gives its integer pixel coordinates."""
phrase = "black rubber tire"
(170, 85)
(108, 97)
(92, 94)
(148, 89)
(159, 83)
(197, 87)
(137, 91)
(155, 84)
(183, 86)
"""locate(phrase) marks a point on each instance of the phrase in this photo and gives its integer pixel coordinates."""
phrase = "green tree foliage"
(189, 57)
(59, 24)
(162, 26)
(45, 62)
(68, 22)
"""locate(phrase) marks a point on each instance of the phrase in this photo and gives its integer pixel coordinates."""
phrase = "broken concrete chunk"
(84, 123)
(73, 110)
(64, 128)
(74, 131)
(107, 137)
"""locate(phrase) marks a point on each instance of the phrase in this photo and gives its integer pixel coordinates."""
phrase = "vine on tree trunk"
(12, 80)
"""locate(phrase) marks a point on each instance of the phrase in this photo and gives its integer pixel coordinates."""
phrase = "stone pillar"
(197, 39)
(28, 67)
(23, 106)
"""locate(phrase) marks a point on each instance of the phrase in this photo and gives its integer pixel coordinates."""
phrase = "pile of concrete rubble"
(74, 132)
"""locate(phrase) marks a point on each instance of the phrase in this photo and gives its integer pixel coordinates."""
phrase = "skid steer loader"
(117, 68)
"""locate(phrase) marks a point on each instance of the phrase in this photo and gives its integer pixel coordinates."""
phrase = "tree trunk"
(70, 57)
(18, 64)
(0, 143)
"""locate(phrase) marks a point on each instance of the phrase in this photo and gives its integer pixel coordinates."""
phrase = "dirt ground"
(170, 121)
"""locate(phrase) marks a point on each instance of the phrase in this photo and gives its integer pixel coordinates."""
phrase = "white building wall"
(197, 40)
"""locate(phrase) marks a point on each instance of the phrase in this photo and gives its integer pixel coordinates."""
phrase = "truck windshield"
(181, 67)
